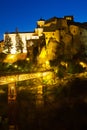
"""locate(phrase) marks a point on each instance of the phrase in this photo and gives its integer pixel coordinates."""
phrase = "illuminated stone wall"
(79, 36)
(55, 35)
(39, 31)
(52, 31)
(57, 28)
(74, 30)
(83, 38)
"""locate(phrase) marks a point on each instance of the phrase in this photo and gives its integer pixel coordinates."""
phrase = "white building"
(26, 36)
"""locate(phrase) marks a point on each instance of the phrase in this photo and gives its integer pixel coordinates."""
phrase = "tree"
(8, 43)
(61, 71)
(19, 43)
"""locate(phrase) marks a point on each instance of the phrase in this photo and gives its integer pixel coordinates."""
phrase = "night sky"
(23, 14)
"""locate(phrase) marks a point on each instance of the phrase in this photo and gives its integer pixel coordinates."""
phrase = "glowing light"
(38, 75)
(27, 59)
(83, 64)
(44, 73)
(10, 58)
(12, 88)
(11, 79)
(64, 64)
(56, 70)
(15, 66)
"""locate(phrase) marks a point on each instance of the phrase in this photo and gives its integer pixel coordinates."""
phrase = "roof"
(51, 19)
(41, 19)
(19, 32)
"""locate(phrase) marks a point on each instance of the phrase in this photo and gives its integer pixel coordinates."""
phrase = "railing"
(21, 77)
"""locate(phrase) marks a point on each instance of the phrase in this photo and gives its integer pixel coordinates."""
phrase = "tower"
(40, 25)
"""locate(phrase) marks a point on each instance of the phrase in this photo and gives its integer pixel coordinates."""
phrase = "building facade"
(60, 29)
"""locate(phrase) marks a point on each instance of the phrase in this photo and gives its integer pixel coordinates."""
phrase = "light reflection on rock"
(2, 91)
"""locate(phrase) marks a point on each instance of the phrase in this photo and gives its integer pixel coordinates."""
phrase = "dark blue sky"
(23, 14)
